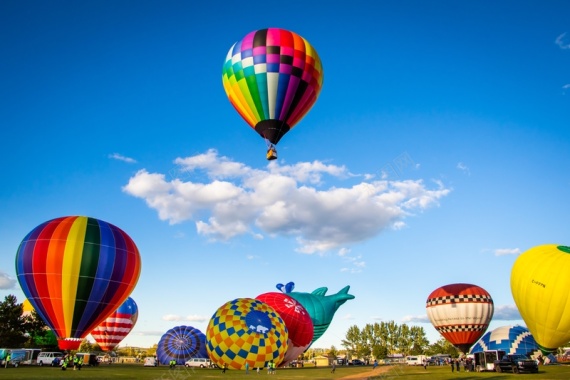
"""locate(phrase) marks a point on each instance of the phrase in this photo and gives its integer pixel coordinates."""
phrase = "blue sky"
(436, 153)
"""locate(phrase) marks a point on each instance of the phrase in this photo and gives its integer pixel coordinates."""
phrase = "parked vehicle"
(356, 362)
(150, 361)
(16, 357)
(516, 363)
(46, 358)
(31, 355)
(198, 362)
(87, 359)
(485, 360)
(416, 359)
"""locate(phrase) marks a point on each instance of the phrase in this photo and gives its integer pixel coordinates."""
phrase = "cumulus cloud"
(560, 41)
(507, 251)
(150, 333)
(197, 318)
(506, 313)
(171, 317)
(6, 282)
(233, 199)
(416, 319)
(120, 157)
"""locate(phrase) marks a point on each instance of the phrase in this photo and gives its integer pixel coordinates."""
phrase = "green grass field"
(138, 372)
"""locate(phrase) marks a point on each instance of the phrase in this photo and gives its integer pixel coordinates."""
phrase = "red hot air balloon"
(461, 313)
(117, 326)
(76, 271)
(272, 78)
(296, 318)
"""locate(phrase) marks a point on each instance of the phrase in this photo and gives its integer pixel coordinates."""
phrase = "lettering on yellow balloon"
(539, 283)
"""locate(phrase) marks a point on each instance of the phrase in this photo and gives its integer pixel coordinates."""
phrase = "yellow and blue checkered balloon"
(246, 330)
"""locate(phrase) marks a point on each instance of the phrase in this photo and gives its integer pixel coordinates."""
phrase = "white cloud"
(507, 251)
(416, 319)
(6, 282)
(506, 313)
(281, 200)
(150, 333)
(197, 318)
(120, 157)
(171, 317)
(561, 43)
(461, 166)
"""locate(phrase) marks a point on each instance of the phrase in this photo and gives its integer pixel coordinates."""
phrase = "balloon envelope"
(75, 272)
(511, 339)
(539, 284)
(322, 307)
(117, 326)
(296, 318)
(272, 77)
(246, 330)
(181, 343)
(460, 313)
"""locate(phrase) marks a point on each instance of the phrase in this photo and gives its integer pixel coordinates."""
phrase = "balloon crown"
(287, 288)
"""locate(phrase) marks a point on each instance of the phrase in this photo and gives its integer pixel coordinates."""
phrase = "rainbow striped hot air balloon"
(76, 271)
(117, 326)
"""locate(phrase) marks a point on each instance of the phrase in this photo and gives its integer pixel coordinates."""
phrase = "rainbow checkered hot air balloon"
(272, 77)
(76, 271)
(246, 330)
(117, 326)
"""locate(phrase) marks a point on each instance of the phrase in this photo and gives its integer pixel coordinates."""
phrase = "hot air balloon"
(272, 77)
(76, 271)
(539, 284)
(181, 343)
(511, 339)
(117, 326)
(296, 318)
(246, 330)
(321, 307)
(461, 313)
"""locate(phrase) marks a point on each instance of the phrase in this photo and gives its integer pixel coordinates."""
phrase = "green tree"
(86, 346)
(442, 346)
(353, 341)
(13, 325)
(420, 343)
(36, 329)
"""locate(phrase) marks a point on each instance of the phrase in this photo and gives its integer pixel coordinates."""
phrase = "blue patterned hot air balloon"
(511, 339)
(181, 343)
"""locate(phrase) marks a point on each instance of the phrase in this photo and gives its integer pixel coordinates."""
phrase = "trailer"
(485, 360)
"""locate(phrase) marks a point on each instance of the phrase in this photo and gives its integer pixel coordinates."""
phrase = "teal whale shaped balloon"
(321, 307)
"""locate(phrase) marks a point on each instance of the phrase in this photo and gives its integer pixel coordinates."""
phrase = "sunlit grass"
(126, 371)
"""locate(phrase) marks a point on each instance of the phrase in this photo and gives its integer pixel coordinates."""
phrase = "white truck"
(416, 359)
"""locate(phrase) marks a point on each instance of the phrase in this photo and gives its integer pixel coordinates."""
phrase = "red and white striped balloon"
(461, 313)
(117, 326)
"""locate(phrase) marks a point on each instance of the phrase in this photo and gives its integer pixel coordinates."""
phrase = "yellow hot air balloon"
(540, 280)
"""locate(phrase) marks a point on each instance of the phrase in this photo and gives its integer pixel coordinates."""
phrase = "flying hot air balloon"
(461, 313)
(272, 77)
(76, 271)
(117, 326)
(539, 284)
